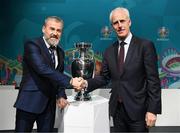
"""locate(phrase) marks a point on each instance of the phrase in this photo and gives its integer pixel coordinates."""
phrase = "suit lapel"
(129, 55)
(45, 52)
(60, 54)
(115, 58)
(130, 51)
(115, 51)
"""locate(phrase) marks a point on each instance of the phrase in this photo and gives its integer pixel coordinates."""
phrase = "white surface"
(8, 95)
(87, 116)
(170, 107)
(7, 112)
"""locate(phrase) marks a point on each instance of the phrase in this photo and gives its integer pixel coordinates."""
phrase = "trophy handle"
(92, 54)
(73, 53)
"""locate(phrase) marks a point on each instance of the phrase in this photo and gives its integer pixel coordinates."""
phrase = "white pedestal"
(87, 116)
(8, 95)
(7, 112)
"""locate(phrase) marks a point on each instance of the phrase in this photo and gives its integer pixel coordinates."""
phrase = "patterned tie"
(121, 56)
(52, 50)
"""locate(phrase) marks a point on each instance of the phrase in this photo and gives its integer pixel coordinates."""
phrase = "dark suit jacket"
(138, 84)
(41, 82)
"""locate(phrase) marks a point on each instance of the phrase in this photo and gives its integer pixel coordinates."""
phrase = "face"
(52, 31)
(121, 23)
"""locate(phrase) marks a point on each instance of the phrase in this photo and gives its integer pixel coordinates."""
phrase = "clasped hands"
(78, 83)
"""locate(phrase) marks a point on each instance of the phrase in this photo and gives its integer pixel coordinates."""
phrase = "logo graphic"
(171, 62)
(170, 69)
(163, 34)
(106, 33)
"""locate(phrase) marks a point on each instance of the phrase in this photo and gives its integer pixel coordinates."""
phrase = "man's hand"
(150, 119)
(77, 83)
(62, 103)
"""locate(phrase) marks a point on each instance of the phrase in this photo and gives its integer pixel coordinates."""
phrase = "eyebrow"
(121, 20)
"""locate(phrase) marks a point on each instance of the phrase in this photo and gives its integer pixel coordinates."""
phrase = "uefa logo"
(163, 34)
(106, 33)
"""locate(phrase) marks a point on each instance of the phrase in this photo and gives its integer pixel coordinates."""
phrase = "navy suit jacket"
(41, 82)
(138, 84)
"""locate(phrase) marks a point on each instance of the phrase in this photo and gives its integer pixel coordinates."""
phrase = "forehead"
(53, 23)
(119, 15)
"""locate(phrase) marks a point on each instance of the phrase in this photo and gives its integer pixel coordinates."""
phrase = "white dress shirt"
(127, 41)
(55, 52)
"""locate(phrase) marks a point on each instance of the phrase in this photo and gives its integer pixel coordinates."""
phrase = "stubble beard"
(53, 41)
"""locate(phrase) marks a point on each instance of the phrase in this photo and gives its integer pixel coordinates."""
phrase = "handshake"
(78, 83)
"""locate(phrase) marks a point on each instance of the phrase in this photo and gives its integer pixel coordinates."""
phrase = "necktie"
(52, 50)
(121, 62)
(121, 56)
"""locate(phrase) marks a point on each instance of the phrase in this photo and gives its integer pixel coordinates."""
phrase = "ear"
(43, 29)
(129, 22)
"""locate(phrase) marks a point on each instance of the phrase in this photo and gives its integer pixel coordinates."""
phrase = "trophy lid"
(85, 45)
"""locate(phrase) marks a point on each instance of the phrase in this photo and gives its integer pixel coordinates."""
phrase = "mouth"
(121, 29)
(53, 37)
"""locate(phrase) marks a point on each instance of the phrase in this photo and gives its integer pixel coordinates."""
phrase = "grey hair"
(120, 9)
(57, 19)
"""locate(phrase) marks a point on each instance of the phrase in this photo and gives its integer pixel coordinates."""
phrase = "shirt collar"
(47, 45)
(127, 39)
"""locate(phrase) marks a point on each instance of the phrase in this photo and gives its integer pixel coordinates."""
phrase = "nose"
(55, 32)
(119, 24)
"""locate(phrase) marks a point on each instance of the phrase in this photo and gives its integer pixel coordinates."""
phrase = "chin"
(54, 42)
(122, 35)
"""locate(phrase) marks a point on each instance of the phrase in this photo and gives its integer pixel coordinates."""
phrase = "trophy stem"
(82, 96)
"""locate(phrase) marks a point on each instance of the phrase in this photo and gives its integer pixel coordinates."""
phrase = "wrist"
(71, 81)
(85, 86)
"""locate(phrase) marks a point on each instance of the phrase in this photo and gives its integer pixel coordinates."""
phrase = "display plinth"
(87, 116)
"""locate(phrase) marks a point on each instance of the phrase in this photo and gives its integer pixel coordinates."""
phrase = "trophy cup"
(83, 66)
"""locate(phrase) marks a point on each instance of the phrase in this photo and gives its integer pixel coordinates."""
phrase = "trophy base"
(82, 97)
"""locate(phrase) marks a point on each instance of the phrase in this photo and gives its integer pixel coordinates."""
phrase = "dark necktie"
(121, 56)
(121, 62)
(52, 50)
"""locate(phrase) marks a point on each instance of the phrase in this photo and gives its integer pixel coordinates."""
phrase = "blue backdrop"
(88, 20)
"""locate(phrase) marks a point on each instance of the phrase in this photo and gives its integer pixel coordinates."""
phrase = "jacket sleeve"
(103, 79)
(153, 81)
(33, 57)
(61, 93)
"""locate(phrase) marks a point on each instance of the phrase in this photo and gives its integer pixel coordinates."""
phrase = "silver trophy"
(83, 66)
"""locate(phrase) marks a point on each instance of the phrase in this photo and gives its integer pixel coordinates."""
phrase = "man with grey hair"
(43, 82)
(131, 65)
